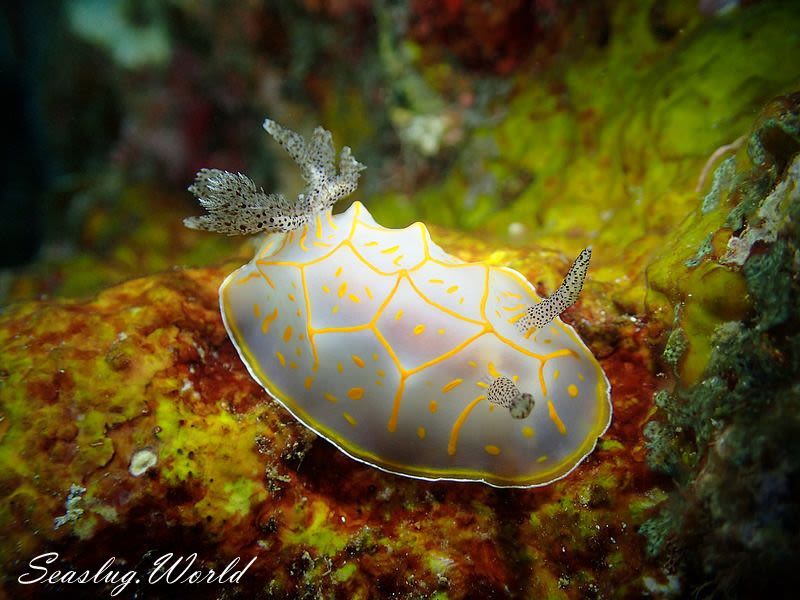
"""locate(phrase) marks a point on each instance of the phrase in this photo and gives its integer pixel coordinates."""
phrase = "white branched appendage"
(539, 315)
(235, 205)
(504, 392)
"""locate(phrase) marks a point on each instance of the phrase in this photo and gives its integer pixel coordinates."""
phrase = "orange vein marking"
(512, 308)
(330, 220)
(309, 332)
(555, 418)
(392, 424)
(397, 260)
(516, 318)
(439, 306)
(456, 429)
(269, 281)
(266, 249)
(268, 321)
(303, 246)
(318, 231)
(248, 277)
(544, 359)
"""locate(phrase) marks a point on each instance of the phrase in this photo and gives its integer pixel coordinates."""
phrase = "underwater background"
(665, 133)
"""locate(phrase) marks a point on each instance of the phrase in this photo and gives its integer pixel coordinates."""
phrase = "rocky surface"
(135, 405)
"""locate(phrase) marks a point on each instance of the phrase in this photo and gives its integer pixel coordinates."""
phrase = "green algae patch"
(344, 573)
(314, 530)
(726, 431)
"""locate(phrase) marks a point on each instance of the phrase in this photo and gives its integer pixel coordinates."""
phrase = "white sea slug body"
(401, 355)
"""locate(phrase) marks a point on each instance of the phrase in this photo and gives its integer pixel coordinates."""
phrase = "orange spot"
(419, 329)
(390, 250)
(350, 419)
(421, 432)
(280, 358)
(368, 291)
(309, 382)
(399, 315)
(493, 450)
(358, 361)
(527, 431)
(433, 406)
(572, 390)
(342, 289)
(287, 333)
(453, 384)
(452, 288)
(330, 398)
(492, 371)
(355, 393)
(268, 321)
(354, 298)
(338, 272)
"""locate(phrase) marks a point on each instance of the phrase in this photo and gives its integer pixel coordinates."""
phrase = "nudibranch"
(404, 357)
